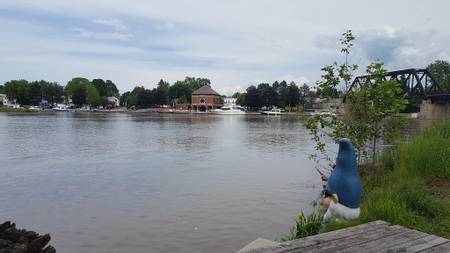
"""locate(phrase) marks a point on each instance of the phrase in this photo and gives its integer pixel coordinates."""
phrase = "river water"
(154, 183)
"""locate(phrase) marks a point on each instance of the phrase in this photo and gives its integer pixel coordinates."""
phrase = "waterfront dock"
(377, 236)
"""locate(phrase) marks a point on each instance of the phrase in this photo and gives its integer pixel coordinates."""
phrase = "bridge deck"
(377, 236)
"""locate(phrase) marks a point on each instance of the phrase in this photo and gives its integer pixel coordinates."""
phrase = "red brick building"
(205, 99)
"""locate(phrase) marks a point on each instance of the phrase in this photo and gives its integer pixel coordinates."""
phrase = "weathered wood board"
(377, 236)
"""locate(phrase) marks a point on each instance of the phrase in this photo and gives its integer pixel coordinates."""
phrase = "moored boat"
(61, 108)
(274, 111)
(229, 110)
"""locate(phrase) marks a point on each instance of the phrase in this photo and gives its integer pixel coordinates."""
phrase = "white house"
(4, 100)
(113, 101)
(229, 101)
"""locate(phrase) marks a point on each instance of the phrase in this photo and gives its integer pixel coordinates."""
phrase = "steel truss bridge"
(417, 84)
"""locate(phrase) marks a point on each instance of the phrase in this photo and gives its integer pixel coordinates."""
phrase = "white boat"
(273, 112)
(229, 110)
(34, 108)
(85, 108)
(61, 108)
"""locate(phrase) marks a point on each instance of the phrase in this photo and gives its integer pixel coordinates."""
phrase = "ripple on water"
(169, 183)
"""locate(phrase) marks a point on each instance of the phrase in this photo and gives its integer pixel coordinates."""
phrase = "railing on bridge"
(417, 84)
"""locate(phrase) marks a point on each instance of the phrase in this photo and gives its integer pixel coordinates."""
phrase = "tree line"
(94, 93)
(81, 90)
(164, 93)
(279, 94)
(31, 93)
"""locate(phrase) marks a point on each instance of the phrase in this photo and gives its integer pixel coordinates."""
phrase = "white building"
(113, 101)
(229, 101)
(4, 100)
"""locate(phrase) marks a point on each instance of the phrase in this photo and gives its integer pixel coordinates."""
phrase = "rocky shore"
(13, 240)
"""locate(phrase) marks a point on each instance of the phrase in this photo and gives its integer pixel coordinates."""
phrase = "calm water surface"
(154, 183)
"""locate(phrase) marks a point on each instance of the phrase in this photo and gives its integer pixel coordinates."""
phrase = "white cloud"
(116, 24)
(299, 80)
(231, 42)
(167, 26)
(103, 35)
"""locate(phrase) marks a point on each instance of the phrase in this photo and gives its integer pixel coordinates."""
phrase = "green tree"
(304, 98)
(111, 89)
(328, 85)
(268, 95)
(345, 71)
(240, 98)
(369, 113)
(90, 93)
(126, 99)
(371, 108)
(182, 90)
(35, 92)
(335, 78)
(2, 89)
(440, 70)
(293, 95)
(75, 84)
(162, 95)
(92, 96)
(253, 98)
(44, 90)
(79, 96)
(100, 85)
(145, 98)
(105, 88)
(18, 90)
(53, 92)
(282, 89)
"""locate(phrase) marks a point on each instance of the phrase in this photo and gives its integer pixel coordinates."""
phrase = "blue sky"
(233, 43)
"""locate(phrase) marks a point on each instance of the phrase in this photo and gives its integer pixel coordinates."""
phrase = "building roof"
(205, 90)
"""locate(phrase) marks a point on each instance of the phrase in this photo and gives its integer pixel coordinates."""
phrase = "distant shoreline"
(148, 110)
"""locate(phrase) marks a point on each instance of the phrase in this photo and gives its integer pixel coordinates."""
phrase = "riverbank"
(6, 109)
(410, 186)
(20, 240)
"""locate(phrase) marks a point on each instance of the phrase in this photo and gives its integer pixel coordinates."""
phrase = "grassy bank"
(6, 109)
(410, 186)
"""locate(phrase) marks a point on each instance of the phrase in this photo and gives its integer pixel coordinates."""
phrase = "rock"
(4, 243)
(39, 243)
(49, 249)
(13, 240)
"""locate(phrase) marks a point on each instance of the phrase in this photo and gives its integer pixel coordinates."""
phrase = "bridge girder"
(417, 83)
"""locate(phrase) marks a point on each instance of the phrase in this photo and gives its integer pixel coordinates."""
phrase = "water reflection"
(169, 183)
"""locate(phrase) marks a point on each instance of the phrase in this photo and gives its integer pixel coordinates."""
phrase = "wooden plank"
(340, 244)
(421, 244)
(320, 238)
(385, 243)
(378, 236)
(445, 247)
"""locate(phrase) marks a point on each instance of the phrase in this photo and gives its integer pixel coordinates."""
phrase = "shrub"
(400, 195)
(305, 226)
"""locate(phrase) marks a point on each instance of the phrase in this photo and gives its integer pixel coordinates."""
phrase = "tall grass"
(400, 195)
(305, 225)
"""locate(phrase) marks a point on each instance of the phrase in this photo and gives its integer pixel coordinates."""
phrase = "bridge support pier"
(429, 110)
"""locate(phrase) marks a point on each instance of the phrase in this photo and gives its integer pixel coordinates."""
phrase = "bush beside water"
(412, 189)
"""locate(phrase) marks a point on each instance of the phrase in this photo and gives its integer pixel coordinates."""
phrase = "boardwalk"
(377, 236)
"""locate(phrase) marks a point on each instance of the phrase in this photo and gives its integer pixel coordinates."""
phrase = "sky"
(234, 43)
